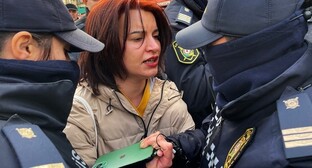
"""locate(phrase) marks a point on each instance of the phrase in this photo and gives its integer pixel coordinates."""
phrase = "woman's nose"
(153, 44)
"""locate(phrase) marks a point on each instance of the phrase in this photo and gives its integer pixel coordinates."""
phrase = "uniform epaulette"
(32, 147)
(295, 119)
(184, 16)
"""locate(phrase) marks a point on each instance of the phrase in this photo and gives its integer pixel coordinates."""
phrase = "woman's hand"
(164, 154)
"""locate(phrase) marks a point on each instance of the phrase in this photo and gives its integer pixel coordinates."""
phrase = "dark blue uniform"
(188, 68)
(270, 73)
(36, 98)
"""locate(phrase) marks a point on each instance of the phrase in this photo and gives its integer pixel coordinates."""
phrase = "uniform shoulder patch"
(238, 147)
(185, 56)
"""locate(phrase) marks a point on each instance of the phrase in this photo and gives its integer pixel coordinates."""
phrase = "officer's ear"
(24, 47)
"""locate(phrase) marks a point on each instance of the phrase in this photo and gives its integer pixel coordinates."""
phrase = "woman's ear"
(24, 46)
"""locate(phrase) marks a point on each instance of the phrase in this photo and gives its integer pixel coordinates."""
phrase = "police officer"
(261, 64)
(188, 68)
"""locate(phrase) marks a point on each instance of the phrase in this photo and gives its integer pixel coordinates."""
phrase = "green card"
(123, 157)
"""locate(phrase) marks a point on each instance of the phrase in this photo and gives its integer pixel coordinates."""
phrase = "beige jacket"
(118, 124)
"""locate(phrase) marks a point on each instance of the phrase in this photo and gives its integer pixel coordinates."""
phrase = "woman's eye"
(138, 39)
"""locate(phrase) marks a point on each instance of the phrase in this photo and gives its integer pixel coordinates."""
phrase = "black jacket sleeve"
(189, 145)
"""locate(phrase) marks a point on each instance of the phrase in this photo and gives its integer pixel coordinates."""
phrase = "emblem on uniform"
(185, 56)
(238, 147)
(292, 103)
(295, 118)
(26, 133)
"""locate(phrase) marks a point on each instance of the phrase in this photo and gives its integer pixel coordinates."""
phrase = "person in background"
(120, 83)
(38, 82)
(263, 114)
(73, 11)
(80, 23)
(188, 68)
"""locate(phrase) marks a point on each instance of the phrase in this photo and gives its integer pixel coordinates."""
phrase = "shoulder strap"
(295, 118)
(32, 147)
(90, 111)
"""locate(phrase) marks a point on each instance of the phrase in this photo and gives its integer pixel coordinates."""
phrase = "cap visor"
(195, 36)
(81, 41)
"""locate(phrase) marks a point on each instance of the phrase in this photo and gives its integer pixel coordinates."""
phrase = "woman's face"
(142, 47)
